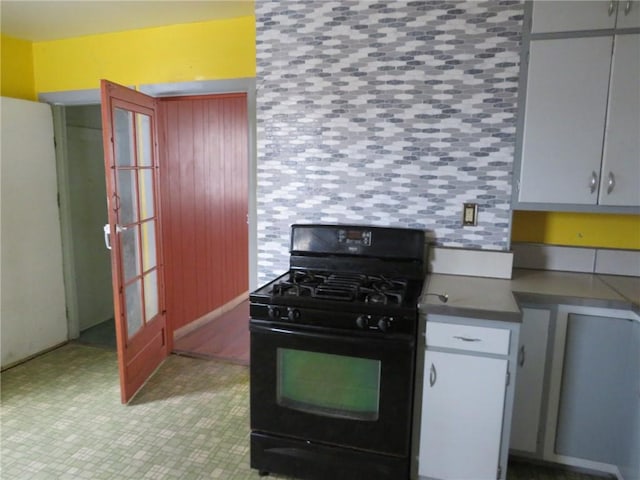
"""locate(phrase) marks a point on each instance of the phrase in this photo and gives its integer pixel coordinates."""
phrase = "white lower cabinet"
(462, 407)
(577, 392)
(466, 399)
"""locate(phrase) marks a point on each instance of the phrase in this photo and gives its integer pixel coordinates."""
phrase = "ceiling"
(56, 19)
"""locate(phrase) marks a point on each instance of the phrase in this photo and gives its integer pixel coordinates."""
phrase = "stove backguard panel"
(385, 113)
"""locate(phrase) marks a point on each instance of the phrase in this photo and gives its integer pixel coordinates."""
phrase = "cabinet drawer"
(466, 337)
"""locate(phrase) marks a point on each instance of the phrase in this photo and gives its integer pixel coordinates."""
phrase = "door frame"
(59, 100)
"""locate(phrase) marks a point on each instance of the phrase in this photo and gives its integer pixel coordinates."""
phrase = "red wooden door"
(129, 121)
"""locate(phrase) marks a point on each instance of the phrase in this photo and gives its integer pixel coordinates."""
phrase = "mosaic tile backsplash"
(388, 113)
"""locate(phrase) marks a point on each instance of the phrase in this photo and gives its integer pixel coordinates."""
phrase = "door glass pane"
(123, 137)
(133, 301)
(148, 245)
(329, 385)
(127, 203)
(151, 295)
(143, 122)
(130, 257)
(145, 178)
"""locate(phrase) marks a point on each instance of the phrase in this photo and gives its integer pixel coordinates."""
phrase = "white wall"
(32, 305)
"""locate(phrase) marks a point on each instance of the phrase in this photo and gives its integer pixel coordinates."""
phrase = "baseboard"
(32, 356)
(198, 322)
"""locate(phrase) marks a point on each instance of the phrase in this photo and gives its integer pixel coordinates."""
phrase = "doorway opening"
(90, 263)
(84, 177)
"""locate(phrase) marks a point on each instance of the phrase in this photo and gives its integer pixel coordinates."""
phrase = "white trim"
(75, 97)
(64, 195)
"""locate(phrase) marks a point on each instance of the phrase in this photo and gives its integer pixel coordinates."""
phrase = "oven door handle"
(384, 340)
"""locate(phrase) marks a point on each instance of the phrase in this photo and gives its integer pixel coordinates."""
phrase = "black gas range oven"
(333, 346)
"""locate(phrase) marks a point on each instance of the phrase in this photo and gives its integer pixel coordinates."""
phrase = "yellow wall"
(16, 66)
(213, 50)
(577, 229)
(225, 49)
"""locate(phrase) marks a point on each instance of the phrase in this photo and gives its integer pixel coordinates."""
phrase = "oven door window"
(328, 385)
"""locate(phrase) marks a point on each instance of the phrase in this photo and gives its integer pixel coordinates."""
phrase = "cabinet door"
(525, 426)
(566, 16)
(620, 183)
(628, 14)
(596, 406)
(564, 120)
(630, 464)
(462, 408)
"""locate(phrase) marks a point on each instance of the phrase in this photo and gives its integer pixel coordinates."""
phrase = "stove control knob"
(274, 313)
(293, 314)
(384, 323)
(362, 321)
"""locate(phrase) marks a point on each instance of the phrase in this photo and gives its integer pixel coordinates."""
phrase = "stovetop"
(340, 300)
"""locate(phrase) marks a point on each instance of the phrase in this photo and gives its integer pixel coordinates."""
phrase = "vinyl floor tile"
(61, 418)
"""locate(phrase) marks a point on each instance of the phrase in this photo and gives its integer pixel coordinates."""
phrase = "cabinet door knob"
(593, 183)
(521, 356)
(612, 7)
(627, 8)
(611, 183)
(433, 375)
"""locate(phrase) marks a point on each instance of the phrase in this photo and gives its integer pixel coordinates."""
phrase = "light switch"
(469, 214)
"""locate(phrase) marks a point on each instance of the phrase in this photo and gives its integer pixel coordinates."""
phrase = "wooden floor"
(224, 338)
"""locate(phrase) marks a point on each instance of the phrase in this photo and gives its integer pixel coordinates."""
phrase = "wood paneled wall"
(204, 162)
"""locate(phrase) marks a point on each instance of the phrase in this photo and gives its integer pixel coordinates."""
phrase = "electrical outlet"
(469, 214)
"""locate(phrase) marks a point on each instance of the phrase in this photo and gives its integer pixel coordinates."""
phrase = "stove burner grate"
(346, 287)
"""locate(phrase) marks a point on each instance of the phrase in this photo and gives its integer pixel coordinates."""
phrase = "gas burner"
(291, 289)
(376, 298)
(307, 277)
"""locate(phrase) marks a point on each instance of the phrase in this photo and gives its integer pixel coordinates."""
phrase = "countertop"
(499, 299)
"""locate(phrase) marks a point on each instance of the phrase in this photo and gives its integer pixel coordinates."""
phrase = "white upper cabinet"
(620, 177)
(628, 14)
(580, 132)
(568, 16)
(564, 122)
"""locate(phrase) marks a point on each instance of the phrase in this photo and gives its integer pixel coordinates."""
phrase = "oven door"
(342, 390)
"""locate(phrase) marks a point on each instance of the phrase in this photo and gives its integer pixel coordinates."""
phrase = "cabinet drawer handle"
(611, 183)
(433, 375)
(627, 8)
(593, 183)
(521, 356)
(612, 7)
(467, 339)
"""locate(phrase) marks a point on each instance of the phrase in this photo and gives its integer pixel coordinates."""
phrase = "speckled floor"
(61, 418)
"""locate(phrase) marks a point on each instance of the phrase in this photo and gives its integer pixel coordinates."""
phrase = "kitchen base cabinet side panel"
(528, 405)
(462, 416)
